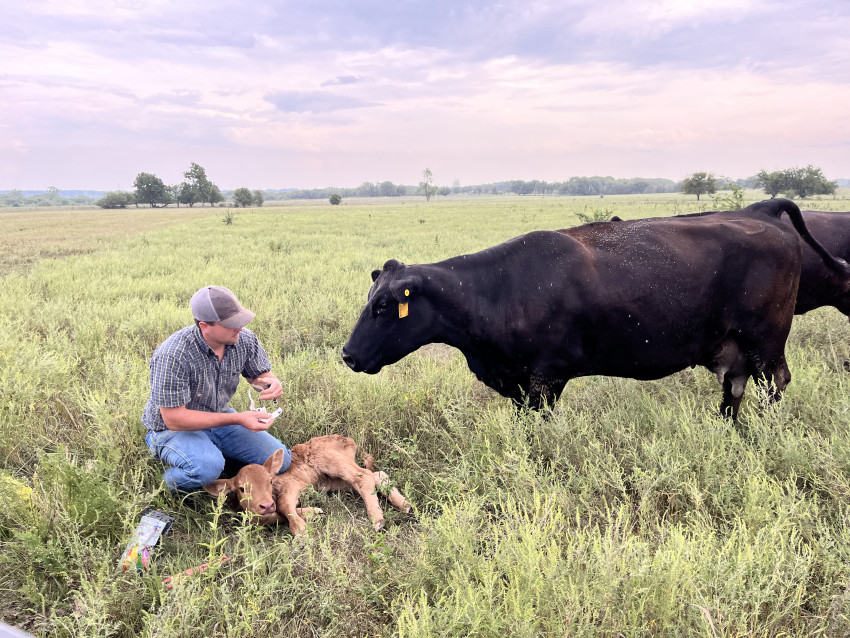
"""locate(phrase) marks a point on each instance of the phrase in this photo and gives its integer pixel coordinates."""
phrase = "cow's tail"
(775, 208)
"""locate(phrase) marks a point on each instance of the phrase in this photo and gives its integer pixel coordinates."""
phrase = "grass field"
(632, 510)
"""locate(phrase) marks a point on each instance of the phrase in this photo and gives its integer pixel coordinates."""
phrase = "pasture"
(632, 510)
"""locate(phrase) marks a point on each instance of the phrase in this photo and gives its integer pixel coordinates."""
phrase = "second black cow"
(820, 285)
(630, 299)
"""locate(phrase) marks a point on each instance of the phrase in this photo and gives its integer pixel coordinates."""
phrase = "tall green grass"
(630, 509)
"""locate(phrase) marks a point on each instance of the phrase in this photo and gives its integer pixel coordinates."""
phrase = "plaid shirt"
(185, 371)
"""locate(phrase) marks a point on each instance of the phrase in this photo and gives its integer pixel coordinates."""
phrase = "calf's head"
(398, 319)
(252, 486)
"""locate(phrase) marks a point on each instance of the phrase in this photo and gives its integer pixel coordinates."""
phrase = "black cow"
(640, 299)
(819, 285)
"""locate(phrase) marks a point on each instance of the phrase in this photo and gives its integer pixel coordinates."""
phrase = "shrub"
(115, 199)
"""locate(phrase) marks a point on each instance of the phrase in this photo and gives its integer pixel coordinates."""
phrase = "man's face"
(215, 333)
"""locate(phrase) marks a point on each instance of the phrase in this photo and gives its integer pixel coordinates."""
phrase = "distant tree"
(400, 190)
(204, 189)
(518, 186)
(699, 184)
(444, 190)
(426, 186)
(173, 193)
(242, 198)
(196, 178)
(456, 186)
(809, 181)
(187, 194)
(334, 199)
(387, 189)
(115, 199)
(13, 198)
(215, 195)
(258, 198)
(151, 190)
(773, 183)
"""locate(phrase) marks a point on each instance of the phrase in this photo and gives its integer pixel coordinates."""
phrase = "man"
(194, 374)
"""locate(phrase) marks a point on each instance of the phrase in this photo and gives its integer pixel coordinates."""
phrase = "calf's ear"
(273, 463)
(375, 274)
(218, 487)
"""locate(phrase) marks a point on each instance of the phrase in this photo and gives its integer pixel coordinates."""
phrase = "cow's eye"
(382, 306)
(241, 489)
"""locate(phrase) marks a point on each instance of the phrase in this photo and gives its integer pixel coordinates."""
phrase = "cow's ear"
(375, 275)
(218, 487)
(403, 289)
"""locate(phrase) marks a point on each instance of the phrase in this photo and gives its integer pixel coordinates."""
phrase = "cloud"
(315, 102)
(342, 79)
(480, 88)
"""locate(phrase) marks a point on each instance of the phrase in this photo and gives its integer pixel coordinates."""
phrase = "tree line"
(151, 190)
(197, 188)
(793, 182)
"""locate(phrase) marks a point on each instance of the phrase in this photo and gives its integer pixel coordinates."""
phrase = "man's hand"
(254, 420)
(269, 387)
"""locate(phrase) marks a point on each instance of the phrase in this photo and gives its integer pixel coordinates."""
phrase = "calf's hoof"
(297, 525)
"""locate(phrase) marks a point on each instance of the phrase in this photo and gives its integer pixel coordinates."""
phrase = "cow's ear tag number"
(403, 306)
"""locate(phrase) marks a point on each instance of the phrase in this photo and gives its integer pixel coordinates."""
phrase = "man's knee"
(208, 470)
(189, 479)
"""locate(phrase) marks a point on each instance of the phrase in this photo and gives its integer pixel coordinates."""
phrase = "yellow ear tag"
(402, 307)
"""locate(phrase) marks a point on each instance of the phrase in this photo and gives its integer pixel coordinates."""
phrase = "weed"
(596, 215)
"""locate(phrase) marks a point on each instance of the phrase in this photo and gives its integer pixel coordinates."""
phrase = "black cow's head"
(397, 320)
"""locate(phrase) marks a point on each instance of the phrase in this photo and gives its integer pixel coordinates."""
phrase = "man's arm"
(183, 419)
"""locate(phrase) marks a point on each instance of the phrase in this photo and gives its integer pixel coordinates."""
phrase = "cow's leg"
(382, 483)
(287, 505)
(729, 363)
(733, 394)
(775, 379)
(543, 391)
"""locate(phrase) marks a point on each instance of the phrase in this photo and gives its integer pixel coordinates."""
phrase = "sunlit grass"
(26, 237)
(630, 509)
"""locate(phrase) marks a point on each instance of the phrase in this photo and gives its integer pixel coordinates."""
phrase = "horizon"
(95, 92)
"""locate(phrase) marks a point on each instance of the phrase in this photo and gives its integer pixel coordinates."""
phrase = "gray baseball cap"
(218, 304)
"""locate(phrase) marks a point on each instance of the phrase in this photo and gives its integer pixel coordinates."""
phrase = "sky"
(310, 94)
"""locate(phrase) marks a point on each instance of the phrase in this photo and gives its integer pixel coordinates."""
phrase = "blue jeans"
(197, 457)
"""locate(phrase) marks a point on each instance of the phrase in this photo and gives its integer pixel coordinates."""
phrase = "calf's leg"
(364, 483)
(396, 499)
(287, 502)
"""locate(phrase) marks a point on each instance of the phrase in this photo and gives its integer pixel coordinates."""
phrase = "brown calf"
(325, 462)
